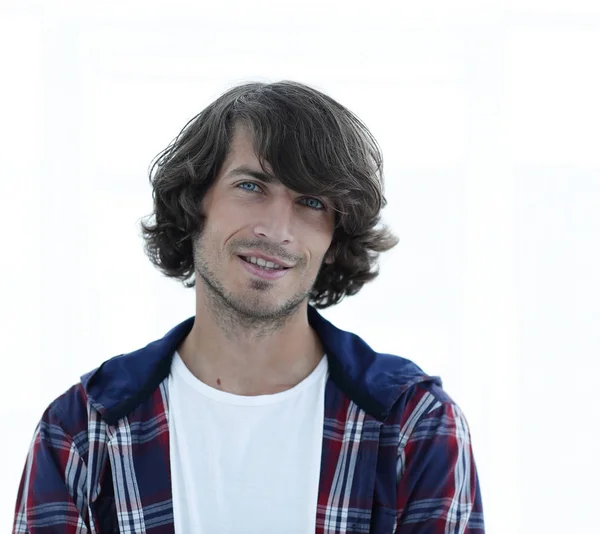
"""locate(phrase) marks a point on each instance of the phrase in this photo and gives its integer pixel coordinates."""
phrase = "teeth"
(263, 263)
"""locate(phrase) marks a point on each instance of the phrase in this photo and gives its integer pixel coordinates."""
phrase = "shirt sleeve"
(438, 487)
(51, 498)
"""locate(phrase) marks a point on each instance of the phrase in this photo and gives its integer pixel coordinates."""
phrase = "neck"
(249, 356)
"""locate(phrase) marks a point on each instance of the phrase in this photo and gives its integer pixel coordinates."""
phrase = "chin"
(264, 307)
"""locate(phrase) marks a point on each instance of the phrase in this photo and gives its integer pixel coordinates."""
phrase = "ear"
(330, 256)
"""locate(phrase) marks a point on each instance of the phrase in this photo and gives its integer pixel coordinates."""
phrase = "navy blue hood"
(374, 381)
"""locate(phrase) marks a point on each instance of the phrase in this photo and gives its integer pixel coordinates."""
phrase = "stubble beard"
(248, 312)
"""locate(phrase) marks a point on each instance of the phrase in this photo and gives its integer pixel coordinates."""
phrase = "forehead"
(242, 161)
(241, 151)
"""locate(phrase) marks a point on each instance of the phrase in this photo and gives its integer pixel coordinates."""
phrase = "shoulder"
(416, 393)
(413, 394)
(427, 413)
(65, 419)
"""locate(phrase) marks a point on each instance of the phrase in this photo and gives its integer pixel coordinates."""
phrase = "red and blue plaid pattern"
(397, 455)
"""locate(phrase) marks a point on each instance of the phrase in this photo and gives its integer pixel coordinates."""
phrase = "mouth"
(263, 264)
(263, 269)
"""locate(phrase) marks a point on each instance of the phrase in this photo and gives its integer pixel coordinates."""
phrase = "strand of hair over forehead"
(365, 142)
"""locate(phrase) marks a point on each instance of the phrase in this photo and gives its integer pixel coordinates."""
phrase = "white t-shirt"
(245, 464)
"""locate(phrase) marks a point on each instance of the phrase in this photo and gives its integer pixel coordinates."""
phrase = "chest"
(248, 465)
(341, 476)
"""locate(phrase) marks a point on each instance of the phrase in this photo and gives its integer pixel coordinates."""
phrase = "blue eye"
(248, 186)
(313, 203)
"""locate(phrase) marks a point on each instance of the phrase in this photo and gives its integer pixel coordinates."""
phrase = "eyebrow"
(244, 170)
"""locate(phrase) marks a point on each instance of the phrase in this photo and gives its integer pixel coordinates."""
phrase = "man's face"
(251, 219)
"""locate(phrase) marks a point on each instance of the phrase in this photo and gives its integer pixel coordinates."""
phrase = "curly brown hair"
(313, 144)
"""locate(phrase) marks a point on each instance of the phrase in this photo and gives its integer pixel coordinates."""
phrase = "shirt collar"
(374, 381)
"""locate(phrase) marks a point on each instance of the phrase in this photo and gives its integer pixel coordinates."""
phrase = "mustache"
(270, 249)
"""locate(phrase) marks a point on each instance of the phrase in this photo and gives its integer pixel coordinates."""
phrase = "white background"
(488, 115)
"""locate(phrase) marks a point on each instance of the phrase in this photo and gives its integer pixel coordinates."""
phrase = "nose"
(275, 221)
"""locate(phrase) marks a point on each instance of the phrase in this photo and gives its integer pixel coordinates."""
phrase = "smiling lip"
(273, 274)
(266, 258)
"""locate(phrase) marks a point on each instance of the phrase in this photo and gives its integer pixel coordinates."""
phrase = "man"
(257, 414)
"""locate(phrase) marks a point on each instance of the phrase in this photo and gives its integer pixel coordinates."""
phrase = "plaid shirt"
(396, 457)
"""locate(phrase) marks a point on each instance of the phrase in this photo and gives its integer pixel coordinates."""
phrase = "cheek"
(223, 223)
(235, 215)
(321, 244)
